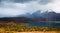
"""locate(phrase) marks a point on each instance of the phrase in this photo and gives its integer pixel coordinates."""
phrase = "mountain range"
(36, 16)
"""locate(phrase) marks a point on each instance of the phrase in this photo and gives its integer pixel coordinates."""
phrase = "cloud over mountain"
(18, 7)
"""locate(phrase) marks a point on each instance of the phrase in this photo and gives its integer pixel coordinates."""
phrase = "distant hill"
(16, 19)
(36, 16)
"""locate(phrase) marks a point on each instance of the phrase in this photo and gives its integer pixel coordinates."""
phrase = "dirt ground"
(41, 32)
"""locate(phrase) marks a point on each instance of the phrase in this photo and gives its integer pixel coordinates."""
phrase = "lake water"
(44, 24)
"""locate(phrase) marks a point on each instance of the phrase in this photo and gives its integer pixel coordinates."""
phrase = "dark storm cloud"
(22, 1)
(44, 2)
(1, 3)
(0, 0)
(17, 1)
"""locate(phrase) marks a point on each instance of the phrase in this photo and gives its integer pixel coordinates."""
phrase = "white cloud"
(55, 6)
(19, 8)
(12, 9)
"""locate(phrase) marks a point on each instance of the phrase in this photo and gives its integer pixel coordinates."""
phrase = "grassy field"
(25, 28)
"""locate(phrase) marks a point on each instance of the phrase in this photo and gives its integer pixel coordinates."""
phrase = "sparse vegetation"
(24, 27)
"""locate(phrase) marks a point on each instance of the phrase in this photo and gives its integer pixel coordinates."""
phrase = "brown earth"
(41, 32)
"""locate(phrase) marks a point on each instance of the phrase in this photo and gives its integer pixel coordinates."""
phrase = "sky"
(17, 7)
